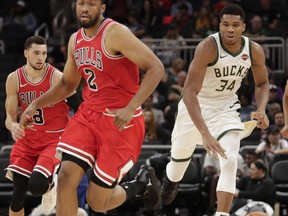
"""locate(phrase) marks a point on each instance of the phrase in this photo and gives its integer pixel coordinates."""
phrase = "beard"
(37, 68)
(89, 24)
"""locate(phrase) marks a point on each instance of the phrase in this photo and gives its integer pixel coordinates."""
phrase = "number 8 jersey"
(224, 76)
(53, 118)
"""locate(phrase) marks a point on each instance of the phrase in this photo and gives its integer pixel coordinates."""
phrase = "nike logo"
(22, 85)
(237, 102)
(223, 56)
(78, 41)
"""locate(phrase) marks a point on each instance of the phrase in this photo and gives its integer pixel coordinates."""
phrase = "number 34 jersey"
(53, 118)
(224, 76)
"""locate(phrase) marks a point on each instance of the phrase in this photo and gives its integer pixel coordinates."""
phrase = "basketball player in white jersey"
(207, 112)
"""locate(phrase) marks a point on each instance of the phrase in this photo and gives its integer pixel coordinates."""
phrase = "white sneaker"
(49, 198)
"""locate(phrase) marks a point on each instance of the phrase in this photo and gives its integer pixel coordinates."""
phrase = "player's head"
(35, 51)
(232, 24)
(89, 12)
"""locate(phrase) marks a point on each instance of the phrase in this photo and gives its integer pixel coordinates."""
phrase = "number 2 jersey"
(53, 118)
(110, 80)
(224, 76)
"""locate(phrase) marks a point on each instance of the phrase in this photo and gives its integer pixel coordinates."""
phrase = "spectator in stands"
(202, 23)
(135, 26)
(279, 119)
(274, 147)
(150, 127)
(19, 14)
(258, 186)
(184, 21)
(272, 108)
(157, 113)
(118, 10)
(171, 40)
(256, 28)
(167, 127)
(220, 4)
(249, 157)
(169, 79)
(58, 56)
(151, 15)
(175, 90)
(246, 107)
(270, 14)
(175, 7)
(274, 96)
(214, 25)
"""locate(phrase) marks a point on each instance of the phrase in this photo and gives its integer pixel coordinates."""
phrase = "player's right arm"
(64, 88)
(205, 53)
(11, 106)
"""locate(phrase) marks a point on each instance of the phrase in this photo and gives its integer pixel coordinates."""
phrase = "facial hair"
(89, 24)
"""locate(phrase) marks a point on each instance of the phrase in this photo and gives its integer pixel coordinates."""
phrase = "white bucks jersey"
(224, 76)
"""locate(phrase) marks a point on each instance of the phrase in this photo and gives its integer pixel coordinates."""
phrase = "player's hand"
(26, 120)
(284, 131)
(16, 131)
(213, 147)
(262, 119)
(121, 117)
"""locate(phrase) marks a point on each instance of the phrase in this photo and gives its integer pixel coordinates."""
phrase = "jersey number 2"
(91, 79)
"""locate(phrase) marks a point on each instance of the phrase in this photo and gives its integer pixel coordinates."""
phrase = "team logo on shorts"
(244, 57)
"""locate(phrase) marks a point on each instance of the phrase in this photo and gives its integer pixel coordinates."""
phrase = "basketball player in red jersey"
(32, 160)
(107, 131)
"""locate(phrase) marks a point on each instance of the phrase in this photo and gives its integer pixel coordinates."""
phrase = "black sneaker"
(151, 196)
(168, 191)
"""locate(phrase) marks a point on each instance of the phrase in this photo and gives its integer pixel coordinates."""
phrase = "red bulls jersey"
(111, 80)
(51, 118)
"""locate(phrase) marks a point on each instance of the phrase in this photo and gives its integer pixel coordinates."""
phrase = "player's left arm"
(260, 75)
(119, 39)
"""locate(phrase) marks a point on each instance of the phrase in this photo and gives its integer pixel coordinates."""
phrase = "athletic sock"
(221, 214)
(133, 188)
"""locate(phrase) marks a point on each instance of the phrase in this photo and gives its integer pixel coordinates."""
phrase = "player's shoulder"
(256, 49)
(12, 75)
(207, 43)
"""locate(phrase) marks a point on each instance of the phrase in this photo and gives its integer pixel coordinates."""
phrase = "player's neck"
(32, 74)
(91, 32)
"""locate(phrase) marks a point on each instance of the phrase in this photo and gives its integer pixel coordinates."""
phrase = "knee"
(229, 165)
(96, 203)
(38, 184)
(69, 178)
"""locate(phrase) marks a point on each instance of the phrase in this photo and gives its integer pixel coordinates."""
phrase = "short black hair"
(260, 164)
(273, 129)
(233, 9)
(34, 40)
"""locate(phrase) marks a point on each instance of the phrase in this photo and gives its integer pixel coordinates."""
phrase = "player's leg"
(70, 173)
(227, 179)
(20, 186)
(38, 184)
(44, 178)
(184, 141)
(114, 160)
